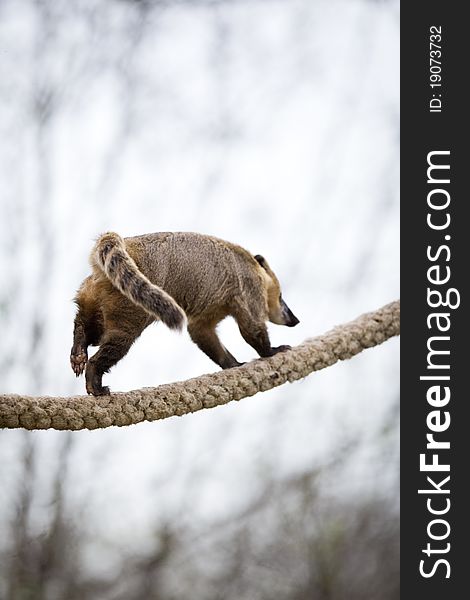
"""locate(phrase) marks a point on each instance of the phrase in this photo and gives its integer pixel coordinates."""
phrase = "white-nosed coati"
(172, 277)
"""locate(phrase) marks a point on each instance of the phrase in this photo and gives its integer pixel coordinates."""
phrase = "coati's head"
(278, 311)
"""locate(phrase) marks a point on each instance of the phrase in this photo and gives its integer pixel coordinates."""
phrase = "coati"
(174, 278)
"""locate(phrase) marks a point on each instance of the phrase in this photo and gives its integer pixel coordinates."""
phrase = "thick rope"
(206, 391)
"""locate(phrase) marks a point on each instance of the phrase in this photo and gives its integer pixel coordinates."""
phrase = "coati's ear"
(264, 263)
(261, 260)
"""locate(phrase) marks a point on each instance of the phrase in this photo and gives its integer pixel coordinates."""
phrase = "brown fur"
(170, 277)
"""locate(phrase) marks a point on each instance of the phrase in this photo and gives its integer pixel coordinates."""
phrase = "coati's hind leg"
(208, 341)
(88, 325)
(79, 354)
(256, 334)
(114, 345)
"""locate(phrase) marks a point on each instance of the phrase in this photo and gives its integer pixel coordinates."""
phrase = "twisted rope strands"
(206, 391)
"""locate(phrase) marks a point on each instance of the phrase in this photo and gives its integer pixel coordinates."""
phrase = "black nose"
(290, 319)
(293, 321)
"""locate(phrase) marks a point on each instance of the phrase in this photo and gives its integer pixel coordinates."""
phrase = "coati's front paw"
(280, 349)
(232, 365)
(78, 362)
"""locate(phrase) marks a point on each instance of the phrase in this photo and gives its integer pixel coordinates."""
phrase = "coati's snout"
(281, 314)
(290, 319)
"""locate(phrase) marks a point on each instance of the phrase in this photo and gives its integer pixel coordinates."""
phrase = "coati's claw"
(78, 362)
(93, 380)
(96, 389)
(281, 349)
(103, 391)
